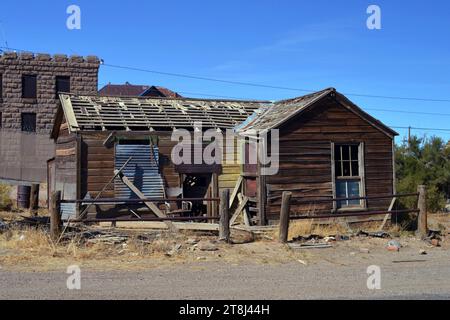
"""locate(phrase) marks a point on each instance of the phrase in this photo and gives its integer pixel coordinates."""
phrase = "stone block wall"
(83, 73)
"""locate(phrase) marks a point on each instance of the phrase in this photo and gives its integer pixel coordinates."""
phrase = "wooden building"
(328, 148)
(96, 135)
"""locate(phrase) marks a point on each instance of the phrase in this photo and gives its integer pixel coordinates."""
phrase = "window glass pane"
(354, 152)
(355, 169)
(341, 193)
(337, 167)
(337, 153)
(345, 152)
(353, 191)
(346, 166)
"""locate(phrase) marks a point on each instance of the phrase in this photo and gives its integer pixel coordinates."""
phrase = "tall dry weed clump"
(5, 200)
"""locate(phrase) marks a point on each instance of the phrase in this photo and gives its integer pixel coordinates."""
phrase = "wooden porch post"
(55, 215)
(224, 222)
(284, 216)
(422, 225)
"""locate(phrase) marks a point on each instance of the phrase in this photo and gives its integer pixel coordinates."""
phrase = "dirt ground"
(149, 264)
(29, 249)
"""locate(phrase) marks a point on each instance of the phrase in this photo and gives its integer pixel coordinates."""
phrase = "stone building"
(28, 101)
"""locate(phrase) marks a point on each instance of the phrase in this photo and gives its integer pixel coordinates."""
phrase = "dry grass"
(307, 227)
(32, 249)
(5, 201)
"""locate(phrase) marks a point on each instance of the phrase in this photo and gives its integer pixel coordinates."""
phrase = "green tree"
(424, 161)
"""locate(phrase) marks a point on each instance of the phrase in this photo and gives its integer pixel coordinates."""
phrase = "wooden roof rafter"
(135, 113)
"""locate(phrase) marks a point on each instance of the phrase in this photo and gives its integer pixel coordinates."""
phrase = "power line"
(252, 84)
(266, 86)
(425, 129)
(409, 112)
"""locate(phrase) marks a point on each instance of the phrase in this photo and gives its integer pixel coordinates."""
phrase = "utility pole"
(409, 138)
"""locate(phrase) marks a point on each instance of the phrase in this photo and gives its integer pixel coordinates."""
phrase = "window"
(29, 86)
(29, 122)
(62, 84)
(1, 120)
(1, 86)
(348, 174)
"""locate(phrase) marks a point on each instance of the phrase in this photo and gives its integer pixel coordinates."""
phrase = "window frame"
(22, 121)
(31, 76)
(360, 177)
(61, 77)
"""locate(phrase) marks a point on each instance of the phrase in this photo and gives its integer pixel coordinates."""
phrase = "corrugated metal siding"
(68, 210)
(142, 170)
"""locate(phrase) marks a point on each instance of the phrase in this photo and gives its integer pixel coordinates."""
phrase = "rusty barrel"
(23, 196)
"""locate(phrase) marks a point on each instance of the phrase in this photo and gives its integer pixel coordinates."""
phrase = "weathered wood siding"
(66, 169)
(305, 159)
(230, 170)
(97, 165)
(170, 176)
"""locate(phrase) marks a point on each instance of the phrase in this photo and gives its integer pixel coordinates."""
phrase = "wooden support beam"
(154, 208)
(284, 216)
(244, 211)
(239, 210)
(224, 222)
(55, 215)
(422, 223)
(34, 199)
(386, 217)
(236, 189)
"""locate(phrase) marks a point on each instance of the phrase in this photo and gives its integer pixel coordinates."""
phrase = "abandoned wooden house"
(328, 148)
(97, 135)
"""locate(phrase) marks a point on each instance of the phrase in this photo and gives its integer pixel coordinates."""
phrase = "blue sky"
(297, 44)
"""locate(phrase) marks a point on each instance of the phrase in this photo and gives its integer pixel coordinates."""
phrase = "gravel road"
(211, 280)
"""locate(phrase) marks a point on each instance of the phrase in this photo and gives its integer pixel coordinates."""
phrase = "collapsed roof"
(94, 113)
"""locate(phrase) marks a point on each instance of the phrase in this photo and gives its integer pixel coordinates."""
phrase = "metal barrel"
(23, 196)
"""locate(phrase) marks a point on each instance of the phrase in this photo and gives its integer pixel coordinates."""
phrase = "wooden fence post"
(422, 227)
(284, 216)
(55, 215)
(224, 222)
(34, 199)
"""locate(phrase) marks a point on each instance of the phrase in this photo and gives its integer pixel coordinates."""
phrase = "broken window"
(29, 86)
(348, 174)
(29, 122)
(62, 84)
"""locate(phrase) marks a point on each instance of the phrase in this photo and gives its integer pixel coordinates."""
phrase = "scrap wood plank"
(238, 210)
(244, 211)
(142, 225)
(149, 204)
(386, 217)
(235, 190)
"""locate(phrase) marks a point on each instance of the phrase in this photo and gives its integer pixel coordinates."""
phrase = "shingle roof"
(157, 91)
(122, 90)
(281, 111)
(143, 113)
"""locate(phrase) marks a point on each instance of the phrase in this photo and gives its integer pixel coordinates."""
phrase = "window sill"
(29, 100)
(350, 209)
